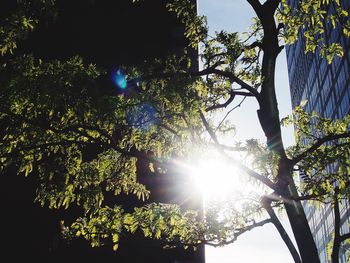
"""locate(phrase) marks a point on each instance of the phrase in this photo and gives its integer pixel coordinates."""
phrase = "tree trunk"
(270, 122)
(336, 241)
(296, 214)
(300, 227)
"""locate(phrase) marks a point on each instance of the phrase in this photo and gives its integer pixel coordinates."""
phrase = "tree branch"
(77, 129)
(266, 203)
(223, 105)
(208, 128)
(238, 233)
(272, 5)
(171, 130)
(211, 70)
(43, 145)
(319, 143)
(203, 72)
(237, 80)
(255, 44)
(344, 237)
(230, 99)
(229, 112)
(238, 164)
(256, 6)
(280, 26)
(317, 197)
(336, 240)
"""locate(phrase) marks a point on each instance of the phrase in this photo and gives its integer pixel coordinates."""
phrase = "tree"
(54, 114)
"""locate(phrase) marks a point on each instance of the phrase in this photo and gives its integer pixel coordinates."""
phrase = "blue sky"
(262, 244)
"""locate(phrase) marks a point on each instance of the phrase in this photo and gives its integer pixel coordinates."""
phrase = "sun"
(216, 177)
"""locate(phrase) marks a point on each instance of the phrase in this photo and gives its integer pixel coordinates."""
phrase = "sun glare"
(216, 178)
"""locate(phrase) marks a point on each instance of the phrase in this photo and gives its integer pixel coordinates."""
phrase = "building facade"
(326, 87)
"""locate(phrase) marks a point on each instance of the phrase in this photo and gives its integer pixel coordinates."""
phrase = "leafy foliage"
(82, 141)
(327, 165)
(21, 22)
(314, 19)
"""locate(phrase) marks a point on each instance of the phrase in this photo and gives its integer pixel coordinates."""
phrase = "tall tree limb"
(256, 6)
(336, 240)
(269, 119)
(266, 202)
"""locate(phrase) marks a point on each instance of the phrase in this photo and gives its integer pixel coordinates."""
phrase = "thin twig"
(229, 112)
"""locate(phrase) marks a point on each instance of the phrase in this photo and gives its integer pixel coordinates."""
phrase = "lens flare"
(119, 79)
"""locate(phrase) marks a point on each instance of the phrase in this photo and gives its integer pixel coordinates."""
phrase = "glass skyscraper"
(326, 87)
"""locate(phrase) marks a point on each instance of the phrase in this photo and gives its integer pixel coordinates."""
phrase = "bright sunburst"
(216, 177)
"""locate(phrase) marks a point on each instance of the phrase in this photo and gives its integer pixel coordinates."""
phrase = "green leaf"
(115, 247)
